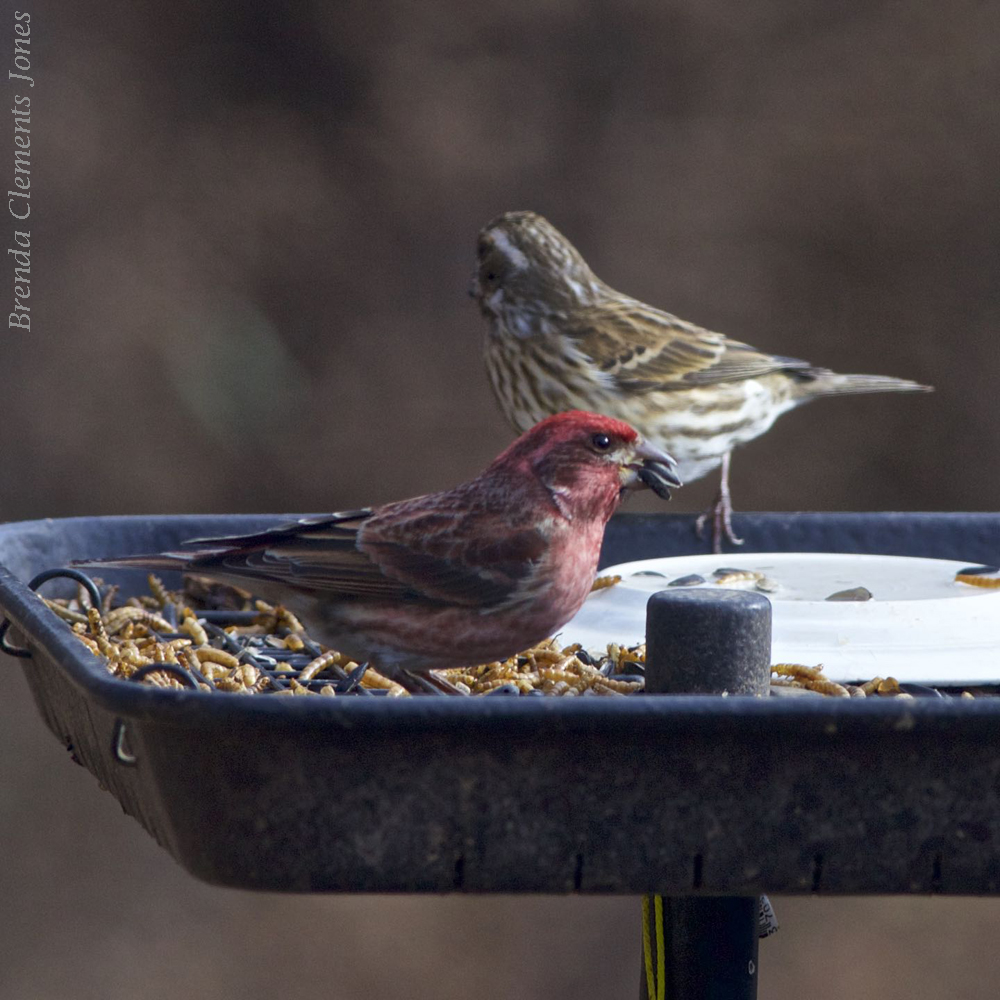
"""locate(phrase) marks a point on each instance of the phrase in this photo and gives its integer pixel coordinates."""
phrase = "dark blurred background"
(252, 232)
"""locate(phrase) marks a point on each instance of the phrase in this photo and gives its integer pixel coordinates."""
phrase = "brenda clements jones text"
(19, 199)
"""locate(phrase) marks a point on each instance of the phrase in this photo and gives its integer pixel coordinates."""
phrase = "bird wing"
(316, 554)
(402, 552)
(343, 524)
(453, 554)
(644, 349)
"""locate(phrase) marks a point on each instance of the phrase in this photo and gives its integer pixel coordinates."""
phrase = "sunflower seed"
(856, 594)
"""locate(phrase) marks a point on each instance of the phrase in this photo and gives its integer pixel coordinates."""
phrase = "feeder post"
(705, 642)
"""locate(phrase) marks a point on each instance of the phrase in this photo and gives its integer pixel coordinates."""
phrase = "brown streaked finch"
(559, 338)
(466, 576)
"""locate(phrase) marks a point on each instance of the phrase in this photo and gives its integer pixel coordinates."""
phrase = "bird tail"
(827, 383)
(154, 561)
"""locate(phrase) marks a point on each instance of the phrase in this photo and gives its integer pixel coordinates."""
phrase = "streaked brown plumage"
(559, 338)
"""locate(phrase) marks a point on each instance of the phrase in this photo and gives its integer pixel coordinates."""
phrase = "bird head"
(588, 463)
(525, 263)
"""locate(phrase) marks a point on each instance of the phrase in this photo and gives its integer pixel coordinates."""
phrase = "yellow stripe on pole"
(647, 950)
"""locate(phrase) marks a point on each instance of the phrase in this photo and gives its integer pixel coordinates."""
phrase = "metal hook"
(122, 755)
(6, 647)
(72, 574)
(36, 582)
(118, 745)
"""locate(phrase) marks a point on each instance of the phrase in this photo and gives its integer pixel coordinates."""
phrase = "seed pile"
(230, 643)
(797, 676)
(226, 641)
(549, 669)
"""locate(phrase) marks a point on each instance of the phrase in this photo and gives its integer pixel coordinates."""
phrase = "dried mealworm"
(248, 674)
(287, 619)
(797, 670)
(83, 597)
(89, 643)
(100, 635)
(824, 686)
(209, 654)
(193, 627)
(978, 581)
(116, 620)
(327, 659)
(73, 617)
(618, 687)
(213, 671)
(373, 679)
(163, 654)
(555, 687)
(108, 599)
(737, 576)
(189, 659)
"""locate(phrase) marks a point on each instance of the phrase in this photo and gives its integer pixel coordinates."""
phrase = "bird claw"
(721, 513)
(429, 683)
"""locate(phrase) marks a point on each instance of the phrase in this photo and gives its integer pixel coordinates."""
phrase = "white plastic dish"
(921, 625)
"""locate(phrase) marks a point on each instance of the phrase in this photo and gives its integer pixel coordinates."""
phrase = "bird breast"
(534, 378)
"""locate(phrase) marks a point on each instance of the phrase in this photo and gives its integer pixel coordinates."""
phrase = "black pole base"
(709, 948)
(709, 642)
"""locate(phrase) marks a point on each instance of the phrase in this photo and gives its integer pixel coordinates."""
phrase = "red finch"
(559, 338)
(470, 575)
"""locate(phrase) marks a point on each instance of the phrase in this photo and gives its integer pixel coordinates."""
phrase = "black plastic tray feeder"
(626, 795)
(681, 796)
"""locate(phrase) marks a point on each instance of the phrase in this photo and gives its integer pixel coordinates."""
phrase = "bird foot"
(721, 513)
(429, 683)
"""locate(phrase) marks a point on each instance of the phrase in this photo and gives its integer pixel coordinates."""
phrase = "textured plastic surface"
(708, 642)
(659, 794)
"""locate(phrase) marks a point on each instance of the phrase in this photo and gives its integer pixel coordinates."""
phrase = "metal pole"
(704, 642)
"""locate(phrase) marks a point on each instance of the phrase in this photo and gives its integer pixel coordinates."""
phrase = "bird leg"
(721, 512)
(413, 682)
(429, 683)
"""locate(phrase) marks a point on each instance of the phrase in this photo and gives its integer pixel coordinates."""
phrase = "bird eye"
(490, 276)
(601, 442)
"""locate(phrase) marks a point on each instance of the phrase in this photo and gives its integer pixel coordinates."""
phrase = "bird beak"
(651, 467)
(474, 287)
